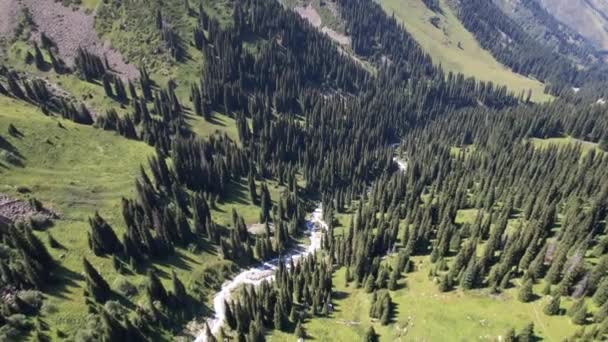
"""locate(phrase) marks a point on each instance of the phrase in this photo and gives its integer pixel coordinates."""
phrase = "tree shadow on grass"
(64, 280)
(237, 193)
(11, 156)
(178, 260)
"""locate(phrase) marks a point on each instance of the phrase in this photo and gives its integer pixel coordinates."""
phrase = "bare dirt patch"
(309, 13)
(8, 17)
(259, 228)
(336, 36)
(14, 210)
(70, 29)
(312, 16)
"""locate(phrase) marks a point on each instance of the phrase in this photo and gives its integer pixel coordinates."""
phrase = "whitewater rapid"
(315, 226)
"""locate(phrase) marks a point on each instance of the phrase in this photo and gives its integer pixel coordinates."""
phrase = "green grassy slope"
(77, 170)
(443, 45)
(422, 313)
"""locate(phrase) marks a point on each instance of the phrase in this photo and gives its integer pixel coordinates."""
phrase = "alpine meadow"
(303, 170)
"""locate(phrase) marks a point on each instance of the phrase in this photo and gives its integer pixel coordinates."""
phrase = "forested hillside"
(586, 17)
(547, 29)
(511, 44)
(233, 170)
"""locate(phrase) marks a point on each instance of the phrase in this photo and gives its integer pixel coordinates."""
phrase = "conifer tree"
(370, 335)
(96, 285)
(552, 308)
(601, 294)
(102, 239)
(155, 288)
(526, 293)
(179, 290)
(39, 58)
(526, 334)
(299, 331)
(579, 317)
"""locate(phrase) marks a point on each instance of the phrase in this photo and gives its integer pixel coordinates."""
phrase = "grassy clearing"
(422, 313)
(586, 146)
(443, 45)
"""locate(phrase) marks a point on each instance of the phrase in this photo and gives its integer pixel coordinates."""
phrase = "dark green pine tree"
(97, 287)
(299, 331)
(603, 144)
(155, 288)
(39, 58)
(113, 330)
(552, 308)
(576, 306)
(278, 319)
(510, 336)
(266, 203)
(230, 319)
(526, 334)
(370, 284)
(179, 290)
(107, 86)
(252, 191)
(601, 294)
(601, 313)
(579, 317)
(102, 239)
(159, 19)
(526, 293)
(370, 335)
(445, 283)
(470, 275)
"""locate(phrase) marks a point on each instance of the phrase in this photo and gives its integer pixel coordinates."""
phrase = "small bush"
(48, 308)
(23, 190)
(124, 287)
(40, 221)
(9, 333)
(115, 309)
(9, 157)
(32, 298)
(19, 322)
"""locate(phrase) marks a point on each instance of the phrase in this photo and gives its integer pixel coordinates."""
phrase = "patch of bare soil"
(336, 36)
(70, 29)
(13, 210)
(8, 17)
(309, 13)
(312, 16)
(259, 228)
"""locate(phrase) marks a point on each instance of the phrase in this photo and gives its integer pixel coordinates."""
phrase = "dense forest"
(314, 120)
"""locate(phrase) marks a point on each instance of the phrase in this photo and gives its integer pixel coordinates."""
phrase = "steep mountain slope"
(444, 206)
(587, 17)
(546, 29)
(455, 48)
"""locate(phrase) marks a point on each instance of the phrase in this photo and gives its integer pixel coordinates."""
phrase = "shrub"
(19, 322)
(39, 221)
(9, 157)
(9, 333)
(32, 297)
(115, 309)
(124, 287)
(48, 308)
